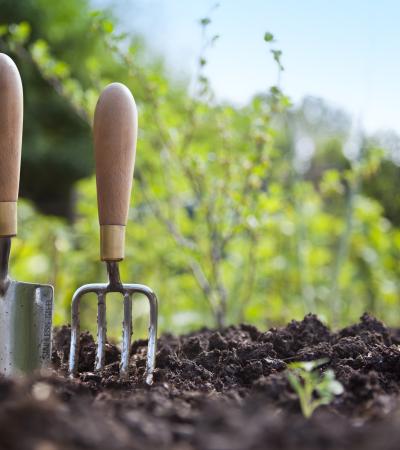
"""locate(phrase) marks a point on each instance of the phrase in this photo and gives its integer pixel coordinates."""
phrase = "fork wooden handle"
(11, 117)
(115, 136)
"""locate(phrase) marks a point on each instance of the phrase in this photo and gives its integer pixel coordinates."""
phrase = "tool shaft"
(5, 248)
(114, 277)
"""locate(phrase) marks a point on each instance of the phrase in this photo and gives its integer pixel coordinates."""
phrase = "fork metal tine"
(126, 336)
(101, 331)
(75, 331)
(152, 344)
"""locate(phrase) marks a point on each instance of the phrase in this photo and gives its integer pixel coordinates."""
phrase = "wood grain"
(11, 118)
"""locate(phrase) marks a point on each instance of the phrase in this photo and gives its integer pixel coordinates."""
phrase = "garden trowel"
(25, 309)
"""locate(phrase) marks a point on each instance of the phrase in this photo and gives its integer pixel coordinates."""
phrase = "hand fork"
(115, 135)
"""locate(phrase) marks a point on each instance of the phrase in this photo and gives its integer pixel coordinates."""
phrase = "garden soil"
(225, 390)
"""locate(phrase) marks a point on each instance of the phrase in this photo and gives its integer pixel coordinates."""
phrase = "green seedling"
(312, 388)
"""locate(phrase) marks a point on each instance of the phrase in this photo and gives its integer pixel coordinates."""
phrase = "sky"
(345, 51)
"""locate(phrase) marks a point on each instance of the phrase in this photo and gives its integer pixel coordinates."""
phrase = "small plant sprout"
(312, 388)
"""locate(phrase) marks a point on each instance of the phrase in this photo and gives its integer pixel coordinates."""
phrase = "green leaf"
(268, 37)
(205, 21)
(277, 57)
(294, 382)
(336, 387)
(20, 32)
(95, 13)
(3, 30)
(61, 69)
(107, 26)
(275, 90)
(39, 51)
(308, 366)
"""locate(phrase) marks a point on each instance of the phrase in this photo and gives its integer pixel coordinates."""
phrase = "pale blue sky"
(347, 52)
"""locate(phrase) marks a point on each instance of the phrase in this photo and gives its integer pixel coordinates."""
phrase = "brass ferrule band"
(8, 219)
(112, 242)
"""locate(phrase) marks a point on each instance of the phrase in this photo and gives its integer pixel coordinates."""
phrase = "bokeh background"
(267, 172)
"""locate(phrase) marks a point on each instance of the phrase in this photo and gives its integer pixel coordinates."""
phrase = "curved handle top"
(115, 135)
(11, 118)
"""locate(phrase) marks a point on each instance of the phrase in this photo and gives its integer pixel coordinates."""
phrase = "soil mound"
(213, 390)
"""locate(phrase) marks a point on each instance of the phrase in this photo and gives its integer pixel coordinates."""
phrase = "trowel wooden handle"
(115, 135)
(11, 116)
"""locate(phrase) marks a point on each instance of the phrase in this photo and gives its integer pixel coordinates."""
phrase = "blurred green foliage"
(229, 222)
